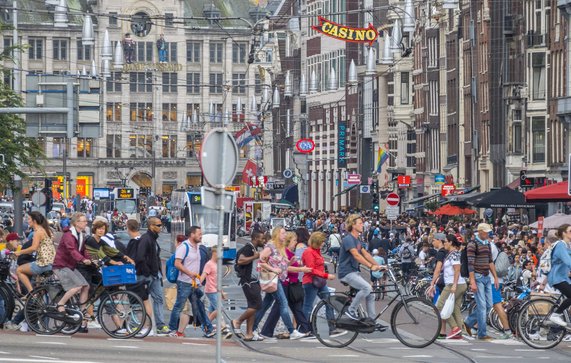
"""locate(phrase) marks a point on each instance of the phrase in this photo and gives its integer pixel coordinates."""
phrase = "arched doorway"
(142, 179)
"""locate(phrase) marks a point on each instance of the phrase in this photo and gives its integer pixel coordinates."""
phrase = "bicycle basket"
(119, 275)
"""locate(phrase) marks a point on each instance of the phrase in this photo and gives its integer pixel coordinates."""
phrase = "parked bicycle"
(414, 321)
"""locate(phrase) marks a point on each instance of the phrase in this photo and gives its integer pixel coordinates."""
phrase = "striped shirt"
(479, 257)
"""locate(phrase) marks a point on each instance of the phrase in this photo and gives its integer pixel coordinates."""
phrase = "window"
(433, 96)
(404, 88)
(113, 146)
(83, 51)
(192, 107)
(239, 83)
(169, 112)
(169, 19)
(59, 147)
(42, 143)
(141, 112)
(140, 82)
(144, 51)
(193, 52)
(84, 147)
(113, 83)
(216, 52)
(193, 83)
(8, 78)
(60, 49)
(193, 144)
(538, 139)
(169, 146)
(538, 69)
(517, 137)
(36, 49)
(172, 52)
(239, 51)
(8, 44)
(242, 114)
(140, 146)
(257, 84)
(113, 111)
(170, 82)
(216, 82)
(113, 19)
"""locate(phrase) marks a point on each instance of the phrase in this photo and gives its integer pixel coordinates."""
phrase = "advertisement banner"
(342, 144)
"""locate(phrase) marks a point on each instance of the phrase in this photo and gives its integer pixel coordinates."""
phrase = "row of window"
(143, 111)
(144, 51)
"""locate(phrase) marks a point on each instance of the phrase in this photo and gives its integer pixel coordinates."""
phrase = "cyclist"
(558, 277)
(334, 242)
(351, 257)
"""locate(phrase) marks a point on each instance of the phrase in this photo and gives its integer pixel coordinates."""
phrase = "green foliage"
(432, 205)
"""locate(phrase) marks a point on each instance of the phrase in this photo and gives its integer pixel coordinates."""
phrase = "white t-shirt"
(450, 261)
(495, 253)
(335, 240)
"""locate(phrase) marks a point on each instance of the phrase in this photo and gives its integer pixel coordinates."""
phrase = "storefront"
(84, 185)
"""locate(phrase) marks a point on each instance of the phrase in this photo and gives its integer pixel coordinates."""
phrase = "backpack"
(171, 271)
(239, 269)
(502, 263)
(545, 260)
(464, 261)
(406, 253)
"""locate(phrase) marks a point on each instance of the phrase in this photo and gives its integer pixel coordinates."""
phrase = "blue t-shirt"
(347, 262)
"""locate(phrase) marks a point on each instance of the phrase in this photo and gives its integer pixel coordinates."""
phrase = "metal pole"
(219, 254)
(17, 192)
(64, 171)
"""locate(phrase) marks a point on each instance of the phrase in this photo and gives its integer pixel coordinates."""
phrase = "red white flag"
(250, 170)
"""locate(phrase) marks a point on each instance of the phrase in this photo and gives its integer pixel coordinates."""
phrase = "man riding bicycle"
(351, 257)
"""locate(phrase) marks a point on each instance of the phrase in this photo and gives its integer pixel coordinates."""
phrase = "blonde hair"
(316, 240)
(351, 221)
(289, 237)
(280, 246)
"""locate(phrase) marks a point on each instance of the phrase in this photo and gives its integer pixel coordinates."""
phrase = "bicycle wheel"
(534, 326)
(35, 310)
(325, 328)
(415, 322)
(121, 314)
(9, 304)
(69, 328)
(146, 329)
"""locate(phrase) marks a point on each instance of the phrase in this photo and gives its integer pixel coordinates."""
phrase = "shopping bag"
(448, 307)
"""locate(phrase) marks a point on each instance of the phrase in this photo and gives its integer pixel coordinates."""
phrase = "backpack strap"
(187, 251)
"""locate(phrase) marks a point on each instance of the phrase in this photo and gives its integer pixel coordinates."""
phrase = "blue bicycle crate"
(119, 275)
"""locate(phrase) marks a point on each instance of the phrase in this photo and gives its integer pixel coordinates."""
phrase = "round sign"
(393, 199)
(287, 173)
(219, 158)
(39, 198)
(305, 146)
(488, 212)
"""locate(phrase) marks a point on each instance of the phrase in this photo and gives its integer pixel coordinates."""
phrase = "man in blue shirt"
(351, 257)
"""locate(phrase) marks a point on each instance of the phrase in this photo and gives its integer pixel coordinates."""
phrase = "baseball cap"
(375, 251)
(376, 232)
(12, 237)
(440, 236)
(484, 227)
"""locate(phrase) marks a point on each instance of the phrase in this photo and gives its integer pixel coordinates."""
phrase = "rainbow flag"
(382, 156)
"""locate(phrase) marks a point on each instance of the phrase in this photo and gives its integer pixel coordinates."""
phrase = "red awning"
(555, 192)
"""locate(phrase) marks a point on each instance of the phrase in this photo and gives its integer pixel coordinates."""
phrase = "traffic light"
(48, 193)
(375, 201)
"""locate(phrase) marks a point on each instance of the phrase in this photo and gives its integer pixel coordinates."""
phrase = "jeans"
(355, 280)
(483, 304)
(3, 316)
(162, 55)
(156, 291)
(274, 315)
(311, 293)
(279, 297)
(185, 291)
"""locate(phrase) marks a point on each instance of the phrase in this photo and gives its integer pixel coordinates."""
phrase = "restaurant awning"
(503, 198)
(551, 193)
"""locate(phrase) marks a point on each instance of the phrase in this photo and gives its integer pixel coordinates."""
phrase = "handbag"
(268, 281)
(448, 307)
(318, 282)
(295, 292)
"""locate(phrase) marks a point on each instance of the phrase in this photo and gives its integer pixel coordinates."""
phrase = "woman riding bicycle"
(558, 277)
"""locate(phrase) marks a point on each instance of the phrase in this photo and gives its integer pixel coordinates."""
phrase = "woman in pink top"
(210, 274)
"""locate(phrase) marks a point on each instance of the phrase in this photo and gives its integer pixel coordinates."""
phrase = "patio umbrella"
(468, 211)
(554, 221)
(448, 210)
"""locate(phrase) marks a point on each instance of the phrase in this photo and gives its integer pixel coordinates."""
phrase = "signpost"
(447, 189)
(540, 227)
(219, 162)
(392, 213)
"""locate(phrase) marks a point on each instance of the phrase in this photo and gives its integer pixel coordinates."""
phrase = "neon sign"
(345, 33)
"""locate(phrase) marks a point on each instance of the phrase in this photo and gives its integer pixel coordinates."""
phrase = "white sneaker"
(122, 331)
(11, 326)
(567, 338)
(24, 327)
(269, 339)
(257, 337)
(558, 319)
(93, 325)
(296, 335)
(144, 332)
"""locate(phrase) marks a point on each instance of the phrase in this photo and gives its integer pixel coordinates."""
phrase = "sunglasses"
(157, 225)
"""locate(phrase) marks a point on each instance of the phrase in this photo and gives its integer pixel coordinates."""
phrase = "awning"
(553, 222)
(346, 190)
(422, 199)
(452, 210)
(290, 194)
(503, 198)
(550, 193)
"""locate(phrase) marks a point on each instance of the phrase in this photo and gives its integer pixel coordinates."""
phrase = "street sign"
(287, 173)
(447, 189)
(403, 181)
(219, 158)
(540, 226)
(488, 212)
(365, 189)
(439, 179)
(393, 199)
(214, 198)
(392, 212)
(354, 178)
(39, 198)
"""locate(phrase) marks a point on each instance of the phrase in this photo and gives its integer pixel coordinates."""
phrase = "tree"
(20, 152)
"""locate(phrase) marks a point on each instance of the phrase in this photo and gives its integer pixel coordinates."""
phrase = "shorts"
(70, 279)
(496, 294)
(213, 299)
(38, 270)
(253, 295)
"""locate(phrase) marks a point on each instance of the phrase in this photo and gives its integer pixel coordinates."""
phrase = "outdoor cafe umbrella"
(452, 210)
(554, 221)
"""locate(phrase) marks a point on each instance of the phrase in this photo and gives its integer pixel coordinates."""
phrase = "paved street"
(382, 347)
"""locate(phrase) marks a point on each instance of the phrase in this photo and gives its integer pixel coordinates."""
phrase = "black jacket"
(146, 252)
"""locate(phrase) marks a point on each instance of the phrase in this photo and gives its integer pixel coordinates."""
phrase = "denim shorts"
(496, 294)
(37, 270)
(213, 299)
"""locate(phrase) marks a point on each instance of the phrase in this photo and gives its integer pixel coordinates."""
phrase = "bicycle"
(414, 320)
(120, 312)
(534, 326)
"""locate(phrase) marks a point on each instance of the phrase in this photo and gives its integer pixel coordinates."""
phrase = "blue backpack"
(171, 270)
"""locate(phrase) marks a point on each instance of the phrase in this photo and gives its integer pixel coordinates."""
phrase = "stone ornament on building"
(113, 175)
(129, 48)
(141, 24)
(169, 175)
(162, 48)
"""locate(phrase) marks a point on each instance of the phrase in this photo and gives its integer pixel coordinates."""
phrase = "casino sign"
(345, 33)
